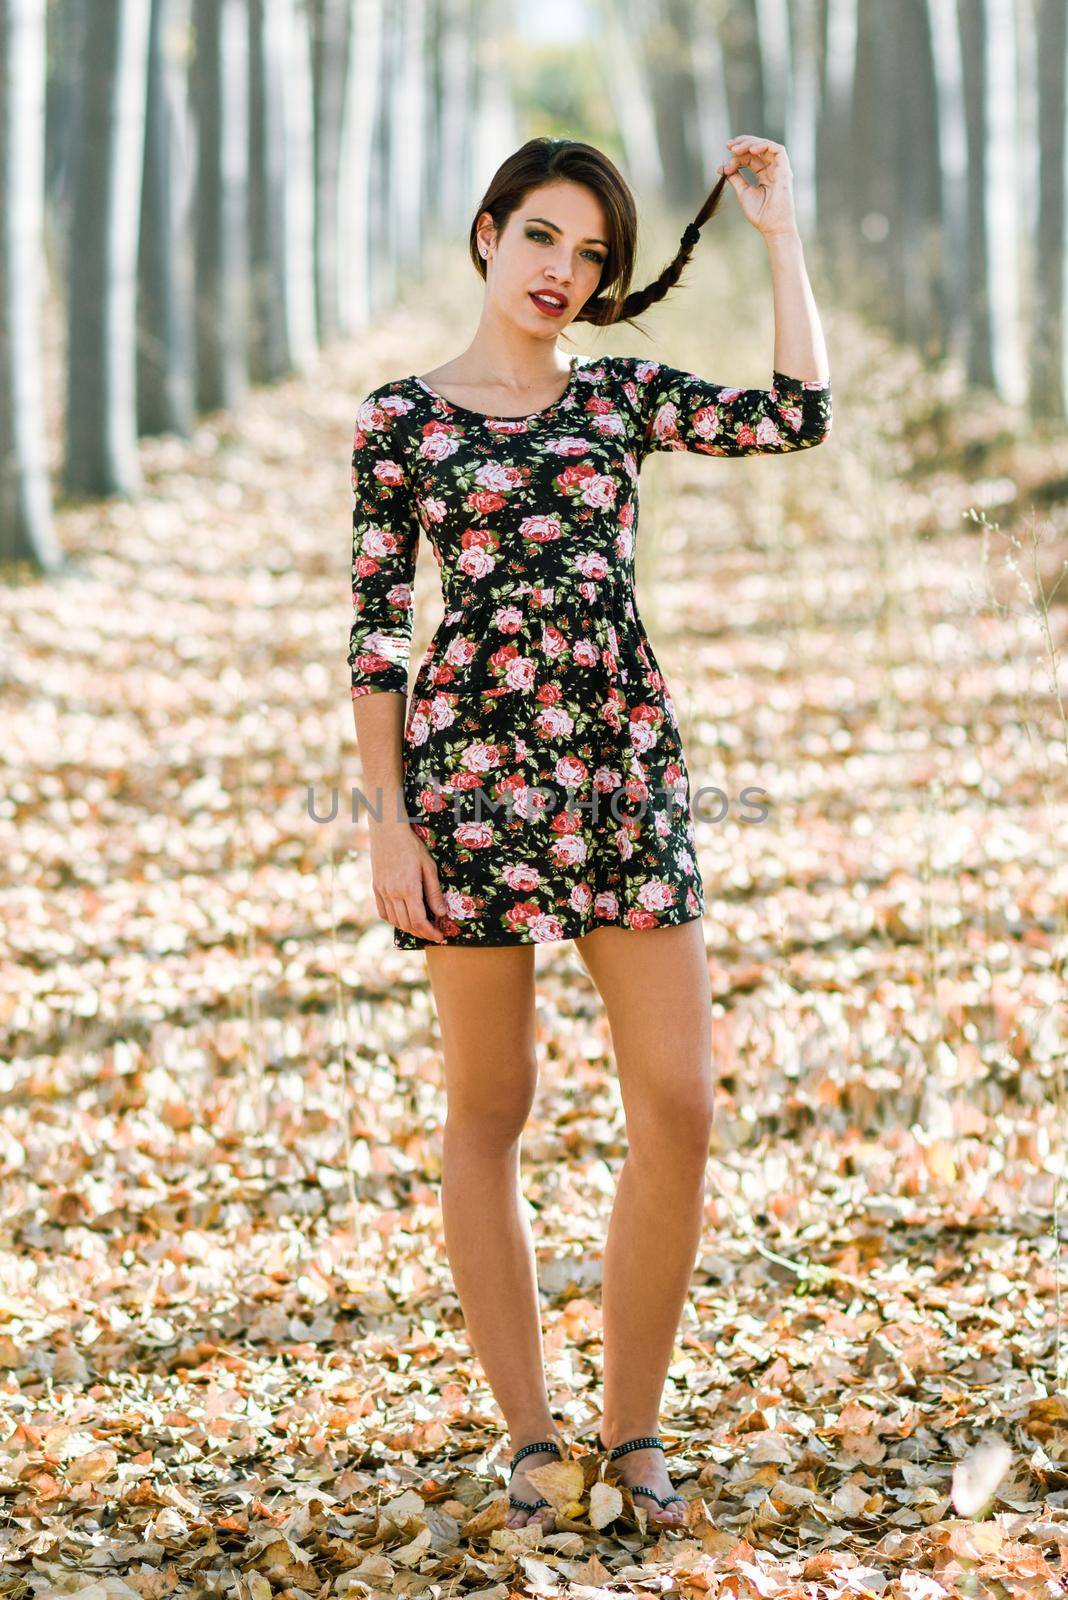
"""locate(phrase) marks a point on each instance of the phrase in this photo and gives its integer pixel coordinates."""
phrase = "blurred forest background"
(215, 190)
(231, 1356)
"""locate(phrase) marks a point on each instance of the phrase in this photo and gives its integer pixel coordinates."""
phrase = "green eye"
(539, 233)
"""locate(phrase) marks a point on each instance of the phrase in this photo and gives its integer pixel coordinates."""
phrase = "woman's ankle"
(533, 1431)
(610, 1436)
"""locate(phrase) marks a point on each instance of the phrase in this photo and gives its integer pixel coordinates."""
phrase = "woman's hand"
(769, 203)
(402, 869)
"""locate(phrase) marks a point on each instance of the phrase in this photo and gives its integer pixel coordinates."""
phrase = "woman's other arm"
(385, 542)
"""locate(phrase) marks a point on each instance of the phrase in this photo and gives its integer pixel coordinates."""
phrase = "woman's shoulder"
(403, 386)
(626, 377)
(622, 368)
(388, 403)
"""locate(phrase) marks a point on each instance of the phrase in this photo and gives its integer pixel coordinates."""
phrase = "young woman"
(537, 788)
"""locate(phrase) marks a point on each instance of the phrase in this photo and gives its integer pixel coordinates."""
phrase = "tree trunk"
(26, 527)
(266, 206)
(1006, 176)
(454, 142)
(382, 265)
(671, 76)
(495, 132)
(952, 157)
(408, 157)
(916, 166)
(806, 78)
(360, 166)
(1047, 396)
(331, 23)
(298, 219)
(65, 27)
(874, 186)
(627, 80)
(102, 457)
(739, 34)
(165, 286)
(836, 221)
(716, 121)
(979, 351)
(220, 99)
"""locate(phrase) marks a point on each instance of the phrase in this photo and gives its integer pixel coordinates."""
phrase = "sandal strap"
(546, 1444)
(647, 1441)
(526, 1505)
(640, 1488)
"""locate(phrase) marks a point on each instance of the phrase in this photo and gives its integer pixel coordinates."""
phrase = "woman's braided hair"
(545, 160)
(641, 299)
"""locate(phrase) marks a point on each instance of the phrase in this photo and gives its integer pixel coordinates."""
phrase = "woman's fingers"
(754, 142)
(750, 151)
(404, 909)
(434, 897)
(418, 921)
(405, 904)
(415, 919)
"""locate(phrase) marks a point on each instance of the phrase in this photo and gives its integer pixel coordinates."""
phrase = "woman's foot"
(647, 1468)
(521, 1488)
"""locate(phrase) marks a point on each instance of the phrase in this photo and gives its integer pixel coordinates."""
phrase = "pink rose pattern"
(543, 766)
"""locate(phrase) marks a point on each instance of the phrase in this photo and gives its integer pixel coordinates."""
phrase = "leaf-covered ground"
(232, 1360)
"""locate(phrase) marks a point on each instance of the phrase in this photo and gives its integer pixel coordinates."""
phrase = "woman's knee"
(489, 1108)
(674, 1121)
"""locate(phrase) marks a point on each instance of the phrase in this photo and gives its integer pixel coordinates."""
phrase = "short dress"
(543, 764)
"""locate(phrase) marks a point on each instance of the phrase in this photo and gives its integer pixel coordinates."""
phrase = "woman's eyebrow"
(556, 229)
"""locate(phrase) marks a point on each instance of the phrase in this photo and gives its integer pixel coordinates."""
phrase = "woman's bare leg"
(484, 999)
(654, 983)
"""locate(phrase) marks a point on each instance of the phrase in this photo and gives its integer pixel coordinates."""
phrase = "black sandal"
(648, 1441)
(528, 1449)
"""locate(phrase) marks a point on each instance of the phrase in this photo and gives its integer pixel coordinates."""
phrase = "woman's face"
(555, 243)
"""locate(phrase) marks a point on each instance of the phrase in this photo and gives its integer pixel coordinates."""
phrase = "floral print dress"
(543, 766)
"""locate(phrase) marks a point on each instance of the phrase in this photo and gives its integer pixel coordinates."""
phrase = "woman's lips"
(550, 307)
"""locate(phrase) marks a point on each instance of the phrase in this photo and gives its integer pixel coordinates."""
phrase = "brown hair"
(545, 160)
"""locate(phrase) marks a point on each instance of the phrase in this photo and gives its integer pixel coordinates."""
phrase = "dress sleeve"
(681, 411)
(385, 541)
